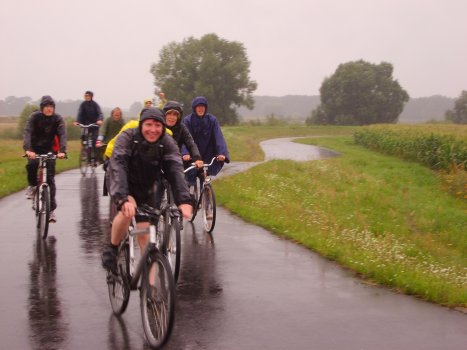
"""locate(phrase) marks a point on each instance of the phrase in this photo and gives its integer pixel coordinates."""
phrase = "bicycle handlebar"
(49, 155)
(205, 166)
(93, 125)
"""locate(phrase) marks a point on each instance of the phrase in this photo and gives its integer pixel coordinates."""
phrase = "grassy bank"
(12, 171)
(386, 219)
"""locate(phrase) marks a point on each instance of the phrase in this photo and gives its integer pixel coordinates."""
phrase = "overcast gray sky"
(64, 47)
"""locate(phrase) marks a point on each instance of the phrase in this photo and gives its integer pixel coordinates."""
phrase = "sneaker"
(30, 192)
(52, 217)
(109, 259)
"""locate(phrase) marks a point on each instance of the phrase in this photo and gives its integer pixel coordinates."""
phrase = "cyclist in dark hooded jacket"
(173, 116)
(207, 135)
(40, 133)
(138, 156)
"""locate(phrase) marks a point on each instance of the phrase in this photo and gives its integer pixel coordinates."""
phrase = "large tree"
(360, 93)
(210, 67)
(459, 114)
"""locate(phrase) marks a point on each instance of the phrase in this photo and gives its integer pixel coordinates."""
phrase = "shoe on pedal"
(52, 217)
(109, 259)
(30, 192)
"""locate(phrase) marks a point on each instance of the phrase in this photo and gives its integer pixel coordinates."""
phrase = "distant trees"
(211, 67)
(23, 118)
(360, 93)
(458, 115)
(12, 105)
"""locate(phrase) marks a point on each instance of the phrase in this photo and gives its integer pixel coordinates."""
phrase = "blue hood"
(200, 100)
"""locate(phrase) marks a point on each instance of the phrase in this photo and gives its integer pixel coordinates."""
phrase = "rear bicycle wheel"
(83, 161)
(208, 205)
(119, 285)
(157, 300)
(43, 211)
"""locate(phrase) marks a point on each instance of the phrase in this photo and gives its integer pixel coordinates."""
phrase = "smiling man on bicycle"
(138, 156)
(39, 137)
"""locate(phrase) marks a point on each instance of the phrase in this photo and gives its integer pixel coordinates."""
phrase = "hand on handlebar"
(199, 164)
(31, 154)
(220, 157)
(61, 155)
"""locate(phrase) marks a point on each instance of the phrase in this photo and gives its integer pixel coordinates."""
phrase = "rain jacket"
(182, 137)
(40, 131)
(207, 135)
(89, 112)
(135, 166)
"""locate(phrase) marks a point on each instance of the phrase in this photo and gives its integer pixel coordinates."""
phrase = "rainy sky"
(64, 47)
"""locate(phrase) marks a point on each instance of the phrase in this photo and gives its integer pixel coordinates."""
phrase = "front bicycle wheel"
(208, 205)
(83, 161)
(172, 246)
(157, 300)
(195, 198)
(119, 285)
(43, 211)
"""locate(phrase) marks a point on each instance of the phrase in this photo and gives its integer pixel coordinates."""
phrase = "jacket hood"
(200, 100)
(47, 100)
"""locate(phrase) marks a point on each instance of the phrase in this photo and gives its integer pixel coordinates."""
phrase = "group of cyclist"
(160, 142)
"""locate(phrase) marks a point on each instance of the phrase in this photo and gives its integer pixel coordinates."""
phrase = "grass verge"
(386, 219)
(12, 169)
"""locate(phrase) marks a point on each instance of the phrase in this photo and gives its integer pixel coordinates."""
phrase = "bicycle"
(205, 198)
(87, 157)
(153, 276)
(41, 198)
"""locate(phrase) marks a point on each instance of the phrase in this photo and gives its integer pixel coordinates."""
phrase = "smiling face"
(171, 117)
(152, 130)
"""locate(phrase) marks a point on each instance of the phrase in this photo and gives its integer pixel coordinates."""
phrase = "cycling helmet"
(47, 101)
(173, 105)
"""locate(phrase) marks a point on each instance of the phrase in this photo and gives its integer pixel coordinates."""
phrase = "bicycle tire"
(157, 300)
(44, 211)
(119, 286)
(83, 161)
(208, 205)
(172, 247)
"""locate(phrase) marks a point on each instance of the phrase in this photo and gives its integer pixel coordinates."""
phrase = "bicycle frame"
(135, 270)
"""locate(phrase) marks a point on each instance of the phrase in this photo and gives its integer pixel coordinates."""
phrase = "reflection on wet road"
(240, 288)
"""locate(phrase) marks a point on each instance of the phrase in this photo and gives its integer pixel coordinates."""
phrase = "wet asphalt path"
(241, 288)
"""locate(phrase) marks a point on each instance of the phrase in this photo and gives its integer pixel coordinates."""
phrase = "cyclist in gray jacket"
(135, 167)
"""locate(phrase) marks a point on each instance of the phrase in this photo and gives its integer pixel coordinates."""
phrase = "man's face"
(200, 110)
(147, 104)
(48, 110)
(87, 97)
(152, 130)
